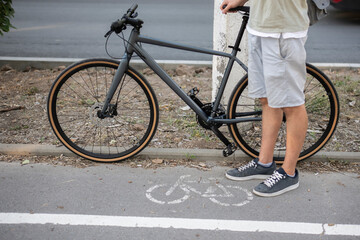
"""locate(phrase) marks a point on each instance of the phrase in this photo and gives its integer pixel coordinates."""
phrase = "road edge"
(167, 153)
(21, 63)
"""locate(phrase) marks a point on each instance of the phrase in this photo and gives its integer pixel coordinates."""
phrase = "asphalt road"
(75, 29)
(111, 201)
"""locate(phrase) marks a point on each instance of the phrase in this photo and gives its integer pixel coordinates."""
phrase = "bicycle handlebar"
(128, 18)
(130, 15)
(132, 9)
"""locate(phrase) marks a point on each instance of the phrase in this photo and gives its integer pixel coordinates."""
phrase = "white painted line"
(40, 59)
(174, 62)
(50, 59)
(337, 65)
(181, 223)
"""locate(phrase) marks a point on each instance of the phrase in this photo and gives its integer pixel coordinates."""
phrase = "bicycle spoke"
(92, 85)
(70, 121)
(309, 82)
(75, 92)
(89, 91)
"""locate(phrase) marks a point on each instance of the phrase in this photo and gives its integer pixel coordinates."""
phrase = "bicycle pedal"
(193, 92)
(230, 149)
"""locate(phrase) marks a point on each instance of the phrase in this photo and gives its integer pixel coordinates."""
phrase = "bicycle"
(181, 190)
(104, 110)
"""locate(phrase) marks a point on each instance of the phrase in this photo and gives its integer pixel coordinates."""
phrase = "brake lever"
(108, 33)
(134, 15)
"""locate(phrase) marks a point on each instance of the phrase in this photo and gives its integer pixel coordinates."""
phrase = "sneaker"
(252, 170)
(277, 184)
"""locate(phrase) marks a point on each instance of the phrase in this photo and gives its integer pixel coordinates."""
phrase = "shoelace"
(271, 181)
(249, 165)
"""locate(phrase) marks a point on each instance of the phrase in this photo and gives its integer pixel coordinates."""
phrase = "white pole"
(226, 28)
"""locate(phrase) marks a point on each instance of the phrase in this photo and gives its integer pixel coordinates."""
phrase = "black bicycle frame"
(133, 46)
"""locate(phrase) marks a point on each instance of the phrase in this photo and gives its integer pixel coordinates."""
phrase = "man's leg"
(255, 169)
(296, 128)
(287, 178)
(285, 76)
(271, 123)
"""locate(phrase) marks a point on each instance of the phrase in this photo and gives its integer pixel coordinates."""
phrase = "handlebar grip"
(241, 9)
(245, 9)
(132, 9)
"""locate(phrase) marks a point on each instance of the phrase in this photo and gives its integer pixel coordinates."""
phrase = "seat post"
(240, 35)
(230, 64)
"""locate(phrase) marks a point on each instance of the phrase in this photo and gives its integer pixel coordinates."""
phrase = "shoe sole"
(252, 177)
(274, 194)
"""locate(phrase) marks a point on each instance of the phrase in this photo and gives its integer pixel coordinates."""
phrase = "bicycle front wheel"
(77, 97)
(322, 106)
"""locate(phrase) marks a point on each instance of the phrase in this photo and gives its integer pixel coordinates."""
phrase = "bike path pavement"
(63, 202)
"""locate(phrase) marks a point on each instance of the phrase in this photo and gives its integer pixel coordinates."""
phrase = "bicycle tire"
(73, 106)
(322, 105)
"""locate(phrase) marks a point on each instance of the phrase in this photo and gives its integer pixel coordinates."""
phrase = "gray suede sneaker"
(277, 184)
(252, 170)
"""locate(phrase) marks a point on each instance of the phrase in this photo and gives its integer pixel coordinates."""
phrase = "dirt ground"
(23, 117)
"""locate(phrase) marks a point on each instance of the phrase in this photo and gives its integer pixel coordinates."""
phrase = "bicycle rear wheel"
(322, 106)
(76, 98)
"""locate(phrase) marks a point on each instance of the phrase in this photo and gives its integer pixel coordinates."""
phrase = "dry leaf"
(158, 161)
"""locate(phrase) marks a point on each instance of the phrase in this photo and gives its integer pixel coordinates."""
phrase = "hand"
(231, 4)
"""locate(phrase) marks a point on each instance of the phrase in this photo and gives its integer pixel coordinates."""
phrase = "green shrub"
(6, 12)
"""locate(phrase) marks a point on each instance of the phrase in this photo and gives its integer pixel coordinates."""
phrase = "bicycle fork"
(109, 110)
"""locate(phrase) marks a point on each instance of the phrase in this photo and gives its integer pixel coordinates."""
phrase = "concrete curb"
(167, 153)
(20, 63)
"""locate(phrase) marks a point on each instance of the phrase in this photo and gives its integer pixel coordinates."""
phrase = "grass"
(347, 84)
(32, 91)
(189, 124)
(189, 156)
(19, 127)
(318, 103)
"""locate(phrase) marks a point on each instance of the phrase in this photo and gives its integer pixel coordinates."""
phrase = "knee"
(290, 110)
(298, 111)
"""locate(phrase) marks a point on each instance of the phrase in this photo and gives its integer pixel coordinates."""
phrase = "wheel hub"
(100, 119)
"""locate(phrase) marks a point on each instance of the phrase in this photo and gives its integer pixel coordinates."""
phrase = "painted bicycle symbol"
(181, 191)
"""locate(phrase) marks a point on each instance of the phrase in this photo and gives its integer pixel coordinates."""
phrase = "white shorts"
(277, 70)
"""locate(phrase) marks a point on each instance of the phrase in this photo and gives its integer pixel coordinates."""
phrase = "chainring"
(207, 108)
